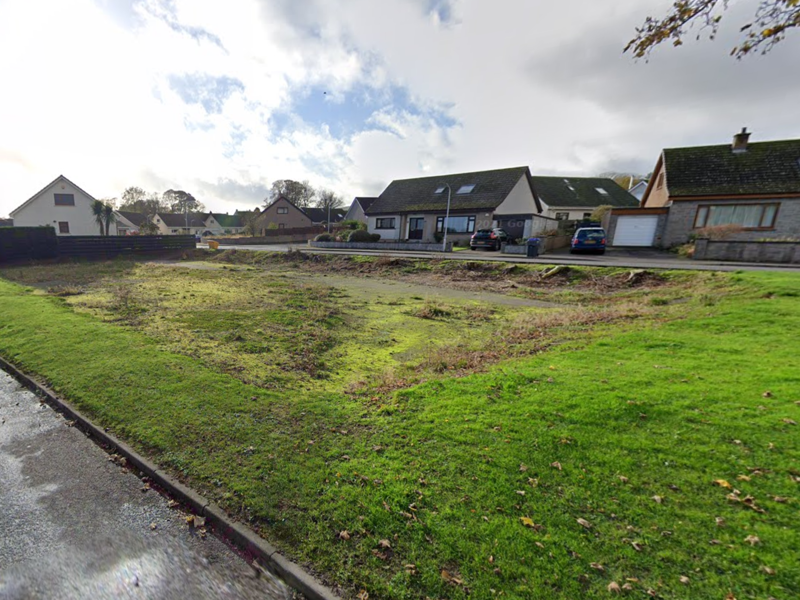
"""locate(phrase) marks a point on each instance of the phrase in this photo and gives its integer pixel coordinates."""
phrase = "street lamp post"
(329, 216)
(446, 218)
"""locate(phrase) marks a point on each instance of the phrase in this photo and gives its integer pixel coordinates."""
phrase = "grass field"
(409, 435)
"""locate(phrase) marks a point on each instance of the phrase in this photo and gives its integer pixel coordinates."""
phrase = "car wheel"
(472, 248)
(603, 251)
(573, 251)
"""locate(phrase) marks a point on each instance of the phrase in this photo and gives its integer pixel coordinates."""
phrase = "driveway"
(73, 524)
(629, 258)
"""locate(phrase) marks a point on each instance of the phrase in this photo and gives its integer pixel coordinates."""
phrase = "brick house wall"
(284, 215)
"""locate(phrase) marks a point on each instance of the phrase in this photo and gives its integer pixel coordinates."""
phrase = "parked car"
(589, 239)
(488, 238)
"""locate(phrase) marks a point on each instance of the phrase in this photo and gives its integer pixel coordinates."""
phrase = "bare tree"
(329, 199)
(771, 21)
(299, 193)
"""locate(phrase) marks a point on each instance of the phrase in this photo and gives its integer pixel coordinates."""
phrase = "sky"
(222, 98)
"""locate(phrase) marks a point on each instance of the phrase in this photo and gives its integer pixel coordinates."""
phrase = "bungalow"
(128, 223)
(176, 224)
(357, 210)
(755, 187)
(219, 223)
(62, 205)
(415, 209)
(576, 198)
(282, 213)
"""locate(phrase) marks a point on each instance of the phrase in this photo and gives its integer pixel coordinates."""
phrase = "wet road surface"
(74, 524)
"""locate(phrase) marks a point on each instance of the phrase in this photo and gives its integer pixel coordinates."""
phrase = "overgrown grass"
(468, 486)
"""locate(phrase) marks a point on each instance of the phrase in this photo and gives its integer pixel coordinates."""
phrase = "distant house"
(220, 224)
(128, 223)
(62, 205)
(6, 222)
(755, 186)
(176, 224)
(319, 216)
(357, 210)
(415, 209)
(575, 198)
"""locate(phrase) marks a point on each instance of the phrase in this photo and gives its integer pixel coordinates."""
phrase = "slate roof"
(764, 168)
(417, 195)
(582, 192)
(136, 218)
(179, 220)
(364, 202)
(319, 215)
(226, 220)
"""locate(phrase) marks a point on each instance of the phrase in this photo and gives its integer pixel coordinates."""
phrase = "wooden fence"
(27, 243)
(34, 243)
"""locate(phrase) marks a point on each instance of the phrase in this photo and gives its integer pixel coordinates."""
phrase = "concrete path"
(73, 524)
(629, 258)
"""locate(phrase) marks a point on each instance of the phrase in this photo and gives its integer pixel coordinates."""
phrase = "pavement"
(631, 258)
(74, 524)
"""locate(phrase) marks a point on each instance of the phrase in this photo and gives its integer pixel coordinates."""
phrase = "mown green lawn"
(471, 486)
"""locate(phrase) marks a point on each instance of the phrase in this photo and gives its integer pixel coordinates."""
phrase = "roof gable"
(419, 194)
(764, 168)
(365, 202)
(582, 192)
(134, 218)
(58, 179)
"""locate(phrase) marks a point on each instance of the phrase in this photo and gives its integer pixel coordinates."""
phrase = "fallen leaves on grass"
(684, 580)
(614, 588)
(723, 484)
(623, 479)
(752, 540)
(658, 499)
(747, 501)
(522, 468)
(790, 421)
(556, 465)
(528, 522)
(344, 535)
(597, 566)
(767, 570)
(584, 523)
(451, 579)
(363, 595)
(720, 522)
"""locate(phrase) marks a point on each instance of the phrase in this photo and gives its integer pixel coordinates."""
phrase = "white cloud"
(113, 97)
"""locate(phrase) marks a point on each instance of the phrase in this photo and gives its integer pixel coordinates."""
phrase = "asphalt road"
(73, 524)
(633, 258)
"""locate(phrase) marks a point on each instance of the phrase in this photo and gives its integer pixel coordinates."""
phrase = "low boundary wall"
(735, 251)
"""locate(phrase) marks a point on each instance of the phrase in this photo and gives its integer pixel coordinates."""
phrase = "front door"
(415, 227)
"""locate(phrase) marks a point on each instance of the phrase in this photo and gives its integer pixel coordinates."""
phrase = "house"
(319, 216)
(576, 198)
(6, 222)
(753, 186)
(637, 191)
(128, 223)
(415, 209)
(357, 210)
(176, 224)
(220, 224)
(62, 205)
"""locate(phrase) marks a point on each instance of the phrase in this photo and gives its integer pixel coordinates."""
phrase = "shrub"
(359, 235)
(374, 237)
(324, 237)
(352, 224)
(438, 236)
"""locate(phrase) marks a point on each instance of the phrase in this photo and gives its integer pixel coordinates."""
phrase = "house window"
(65, 199)
(283, 210)
(63, 227)
(456, 224)
(174, 231)
(387, 223)
(587, 215)
(466, 189)
(660, 181)
(281, 225)
(748, 216)
(562, 216)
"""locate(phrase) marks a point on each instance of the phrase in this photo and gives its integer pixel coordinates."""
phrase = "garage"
(639, 230)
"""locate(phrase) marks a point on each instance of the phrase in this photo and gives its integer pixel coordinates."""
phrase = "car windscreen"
(592, 234)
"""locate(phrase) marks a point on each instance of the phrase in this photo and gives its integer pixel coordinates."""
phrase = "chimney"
(740, 141)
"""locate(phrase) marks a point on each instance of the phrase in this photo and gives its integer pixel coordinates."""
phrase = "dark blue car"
(589, 239)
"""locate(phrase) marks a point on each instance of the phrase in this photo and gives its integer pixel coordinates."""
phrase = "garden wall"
(401, 246)
(728, 250)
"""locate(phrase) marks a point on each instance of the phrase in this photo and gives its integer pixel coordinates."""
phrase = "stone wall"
(739, 251)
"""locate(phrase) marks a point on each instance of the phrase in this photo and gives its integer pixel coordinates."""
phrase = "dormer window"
(466, 189)
(440, 189)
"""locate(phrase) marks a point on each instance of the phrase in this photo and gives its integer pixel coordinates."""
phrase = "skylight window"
(466, 189)
(569, 185)
(601, 191)
(439, 189)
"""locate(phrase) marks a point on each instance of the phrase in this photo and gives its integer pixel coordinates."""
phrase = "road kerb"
(242, 537)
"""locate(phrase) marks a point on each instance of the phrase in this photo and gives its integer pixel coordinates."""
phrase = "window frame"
(562, 218)
(470, 224)
(283, 210)
(62, 226)
(379, 223)
(660, 181)
(71, 197)
(707, 210)
(467, 188)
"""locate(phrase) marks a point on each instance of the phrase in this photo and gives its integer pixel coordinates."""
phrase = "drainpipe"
(446, 218)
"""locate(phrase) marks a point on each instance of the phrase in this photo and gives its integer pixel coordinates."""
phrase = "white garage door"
(635, 231)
